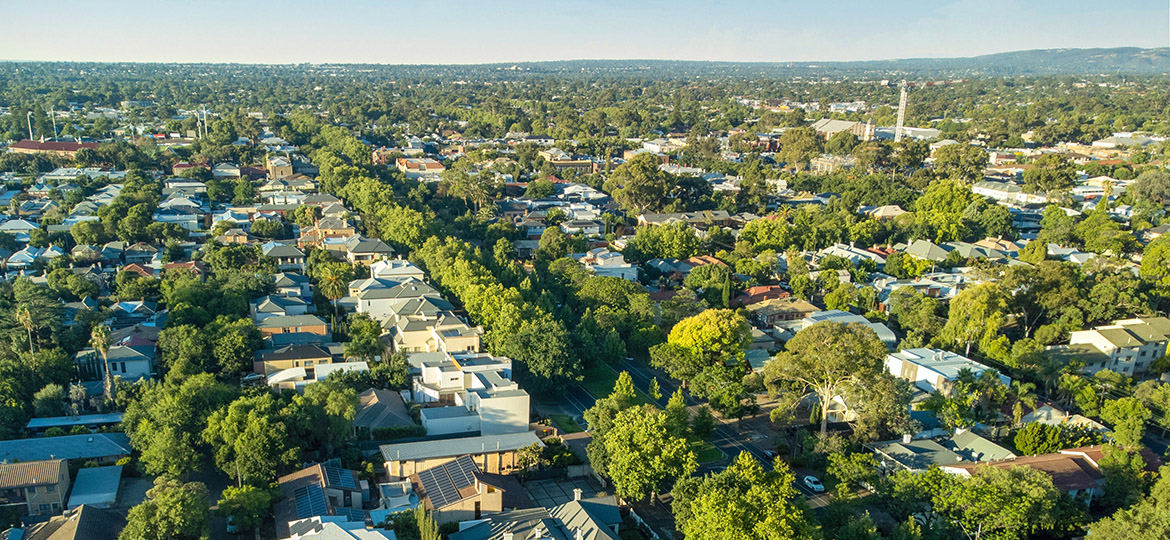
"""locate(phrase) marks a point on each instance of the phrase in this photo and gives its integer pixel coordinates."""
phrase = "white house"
(933, 369)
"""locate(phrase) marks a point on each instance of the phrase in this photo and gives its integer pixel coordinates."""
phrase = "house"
(381, 298)
(38, 488)
(195, 268)
(920, 455)
(139, 253)
(83, 523)
(366, 251)
(396, 269)
(1127, 346)
(759, 293)
(458, 491)
(597, 518)
(132, 312)
(273, 306)
(603, 262)
(91, 421)
(1076, 471)
(787, 330)
(51, 148)
(323, 489)
(96, 487)
(420, 168)
(341, 527)
(271, 361)
(97, 447)
(495, 454)
(428, 325)
(292, 284)
(769, 312)
(288, 258)
(828, 127)
(933, 370)
(20, 229)
(279, 167)
(477, 390)
(700, 220)
(131, 363)
(293, 324)
(924, 250)
(587, 227)
(381, 408)
(225, 170)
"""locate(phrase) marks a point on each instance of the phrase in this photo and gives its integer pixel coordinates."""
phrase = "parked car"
(231, 527)
(814, 484)
(770, 455)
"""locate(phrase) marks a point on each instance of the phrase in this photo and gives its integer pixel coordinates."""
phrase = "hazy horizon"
(462, 32)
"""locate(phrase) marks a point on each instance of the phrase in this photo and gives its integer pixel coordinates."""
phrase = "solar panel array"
(442, 483)
(351, 514)
(336, 476)
(310, 501)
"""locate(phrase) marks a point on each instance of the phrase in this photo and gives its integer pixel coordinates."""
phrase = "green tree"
(961, 161)
(1128, 416)
(333, 282)
(715, 334)
(976, 316)
(639, 186)
(643, 458)
(824, 360)
(743, 502)
(798, 146)
(541, 347)
(1007, 503)
(50, 400)
(1147, 520)
(703, 424)
(678, 417)
(853, 471)
(172, 511)
(247, 505)
(249, 440)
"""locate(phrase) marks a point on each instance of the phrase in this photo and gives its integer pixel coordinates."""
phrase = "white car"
(815, 485)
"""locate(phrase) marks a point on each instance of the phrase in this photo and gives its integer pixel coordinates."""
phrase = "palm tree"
(25, 318)
(333, 280)
(99, 339)
(1023, 393)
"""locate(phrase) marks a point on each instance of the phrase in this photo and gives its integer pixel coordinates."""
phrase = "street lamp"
(29, 118)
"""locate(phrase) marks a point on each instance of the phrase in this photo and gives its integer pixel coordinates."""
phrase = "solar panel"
(438, 487)
(310, 501)
(462, 472)
(339, 477)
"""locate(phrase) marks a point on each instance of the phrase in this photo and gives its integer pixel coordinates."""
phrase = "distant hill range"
(1032, 62)
(1039, 62)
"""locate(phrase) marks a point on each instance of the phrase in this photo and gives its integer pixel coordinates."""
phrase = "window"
(51, 488)
(45, 508)
(31, 491)
(123, 367)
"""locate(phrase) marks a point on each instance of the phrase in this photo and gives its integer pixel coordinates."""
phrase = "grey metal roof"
(458, 447)
(92, 446)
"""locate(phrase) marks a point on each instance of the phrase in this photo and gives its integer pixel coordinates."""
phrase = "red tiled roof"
(704, 260)
(31, 473)
(52, 146)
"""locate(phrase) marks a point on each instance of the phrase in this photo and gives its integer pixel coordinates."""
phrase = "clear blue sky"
(476, 31)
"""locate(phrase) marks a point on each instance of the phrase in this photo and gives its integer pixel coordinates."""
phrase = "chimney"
(576, 494)
(579, 535)
(906, 438)
(508, 535)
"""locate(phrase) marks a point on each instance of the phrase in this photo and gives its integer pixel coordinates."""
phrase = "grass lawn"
(600, 380)
(565, 423)
(705, 452)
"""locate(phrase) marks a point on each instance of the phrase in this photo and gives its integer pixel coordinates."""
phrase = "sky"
(487, 31)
